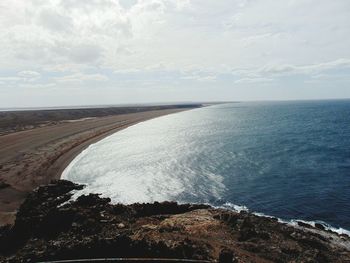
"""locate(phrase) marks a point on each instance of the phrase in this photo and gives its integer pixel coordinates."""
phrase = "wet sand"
(36, 156)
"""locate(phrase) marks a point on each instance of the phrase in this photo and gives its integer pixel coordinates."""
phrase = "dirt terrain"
(20, 120)
(38, 154)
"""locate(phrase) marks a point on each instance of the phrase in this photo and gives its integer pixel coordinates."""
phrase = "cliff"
(50, 227)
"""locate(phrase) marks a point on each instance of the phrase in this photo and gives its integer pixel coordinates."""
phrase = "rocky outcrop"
(2, 183)
(50, 227)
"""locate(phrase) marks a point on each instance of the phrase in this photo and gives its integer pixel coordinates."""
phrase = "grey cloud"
(123, 50)
(311, 68)
(54, 21)
(85, 53)
(78, 53)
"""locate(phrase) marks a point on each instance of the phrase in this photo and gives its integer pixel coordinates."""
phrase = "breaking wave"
(289, 160)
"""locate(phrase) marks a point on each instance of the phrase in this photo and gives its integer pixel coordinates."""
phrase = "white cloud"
(179, 33)
(306, 69)
(80, 77)
(54, 21)
(28, 74)
(10, 78)
(22, 76)
(199, 76)
(249, 41)
(253, 80)
(37, 85)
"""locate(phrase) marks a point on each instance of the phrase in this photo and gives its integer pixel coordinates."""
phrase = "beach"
(51, 224)
(36, 152)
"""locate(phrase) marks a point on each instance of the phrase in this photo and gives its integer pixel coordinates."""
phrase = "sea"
(290, 160)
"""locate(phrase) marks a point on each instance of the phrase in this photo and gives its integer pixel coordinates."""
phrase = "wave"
(291, 222)
(213, 155)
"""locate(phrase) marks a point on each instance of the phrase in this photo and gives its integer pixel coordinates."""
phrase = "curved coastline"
(34, 157)
(286, 220)
(162, 227)
(65, 160)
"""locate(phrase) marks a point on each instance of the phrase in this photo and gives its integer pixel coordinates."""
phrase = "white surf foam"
(147, 162)
(292, 222)
(152, 161)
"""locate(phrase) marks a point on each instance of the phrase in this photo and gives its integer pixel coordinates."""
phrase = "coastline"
(36, 156)
(50, 228)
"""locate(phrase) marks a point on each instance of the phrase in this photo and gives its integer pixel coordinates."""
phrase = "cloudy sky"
(84, 52)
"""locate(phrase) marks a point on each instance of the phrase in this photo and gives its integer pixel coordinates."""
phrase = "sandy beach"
(38, 153)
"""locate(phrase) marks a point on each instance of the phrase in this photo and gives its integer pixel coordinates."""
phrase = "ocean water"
(285, 159)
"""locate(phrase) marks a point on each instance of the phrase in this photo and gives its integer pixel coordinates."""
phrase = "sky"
(94, 52)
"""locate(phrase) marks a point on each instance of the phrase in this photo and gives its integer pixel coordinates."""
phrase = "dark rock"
(247, 233)
(229, 218)
(314, 243)
(247, 223)
(226, 256)
(48, 227)
(300, 223)
(39, 216)
(157, 208)
(320, 226)
(263, 235)
(92, 200)
(3, 184)
(247, 230)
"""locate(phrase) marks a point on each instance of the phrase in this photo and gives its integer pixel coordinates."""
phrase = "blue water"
(286, 159)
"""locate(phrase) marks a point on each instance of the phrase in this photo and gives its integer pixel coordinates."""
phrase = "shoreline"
(293, 222)
(34, 157)
(50, 228)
